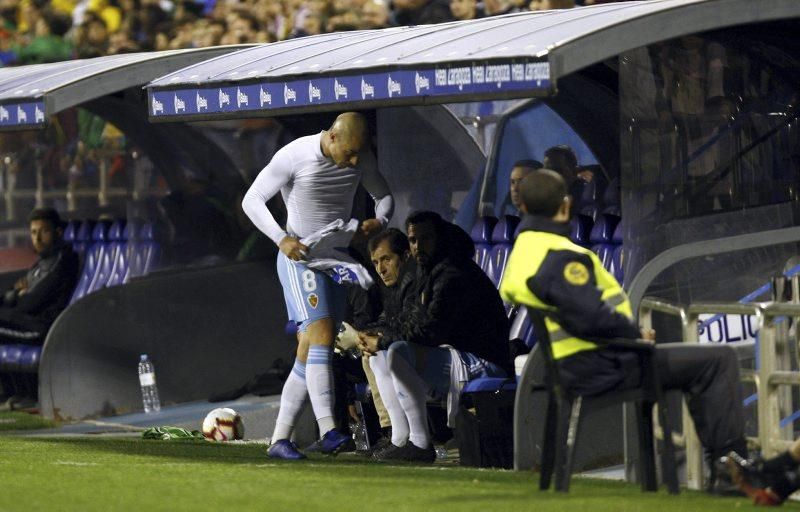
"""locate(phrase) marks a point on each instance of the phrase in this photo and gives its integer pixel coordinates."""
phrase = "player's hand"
(368, 343)
(292, 248)
(648, 335)
(371, 227)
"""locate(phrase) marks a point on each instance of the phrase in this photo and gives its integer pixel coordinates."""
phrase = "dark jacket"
(395, 299)
(51, 282)
(457, 304)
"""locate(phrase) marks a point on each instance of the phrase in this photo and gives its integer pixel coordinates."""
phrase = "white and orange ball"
(223, 424)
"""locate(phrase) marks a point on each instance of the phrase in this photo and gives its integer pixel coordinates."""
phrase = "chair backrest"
(94, 253)
(581, 229)
(481, 235)
(108, 257)
(602, 238)
(503, 240)
(145, 254)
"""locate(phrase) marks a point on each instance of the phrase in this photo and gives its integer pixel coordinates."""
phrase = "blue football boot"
(333, 441)
(284, 449)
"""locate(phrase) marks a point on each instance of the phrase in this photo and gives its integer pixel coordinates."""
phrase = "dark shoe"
(285, 450)
(751, 481)
(381, 445)
(407, 453)
(333, 442)
(316, 447)
(720, 481)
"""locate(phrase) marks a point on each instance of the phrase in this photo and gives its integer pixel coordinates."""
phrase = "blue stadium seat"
(71, 231)
(108, 256)
(91, 260)
(29, 359)
(120, 272)
(601, 238)
(581, 230)
(83, 238)
(145, 253)
(482, 237)
(503, 240)
(10, 356)
(616, 264)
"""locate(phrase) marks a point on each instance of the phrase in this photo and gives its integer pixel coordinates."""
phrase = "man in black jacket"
(29, 308)
(455, 304)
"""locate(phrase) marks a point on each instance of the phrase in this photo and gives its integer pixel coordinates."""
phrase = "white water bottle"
(147, 379)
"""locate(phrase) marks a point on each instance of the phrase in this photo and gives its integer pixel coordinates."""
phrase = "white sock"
(319, 379)
(411, 393)
(389, 396)
(293, 397)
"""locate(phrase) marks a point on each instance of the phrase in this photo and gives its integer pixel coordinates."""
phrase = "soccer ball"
(223, 424)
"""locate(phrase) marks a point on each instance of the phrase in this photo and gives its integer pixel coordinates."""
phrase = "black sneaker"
(382, 444)
(407, 453)
(749, 476)
(720, 481)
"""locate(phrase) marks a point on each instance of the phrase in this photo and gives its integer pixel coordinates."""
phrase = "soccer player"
(317, 176)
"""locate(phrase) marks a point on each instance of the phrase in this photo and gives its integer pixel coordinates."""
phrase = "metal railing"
(689, 319)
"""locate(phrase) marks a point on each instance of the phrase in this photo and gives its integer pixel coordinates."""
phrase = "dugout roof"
(516, 55)
(30, 94)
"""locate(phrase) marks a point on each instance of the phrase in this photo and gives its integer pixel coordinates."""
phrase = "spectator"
(375, 14)
(455, 330)
(421, 12)
(499, 7)
(29, 308)
(465, 9)
(563, 160)
(49, 44)
(546, 5)
(585, 304)
(521, 169)
(92, 39)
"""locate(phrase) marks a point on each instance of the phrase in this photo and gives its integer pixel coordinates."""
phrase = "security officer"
(547, 271)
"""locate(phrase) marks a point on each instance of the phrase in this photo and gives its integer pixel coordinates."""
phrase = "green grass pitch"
(107, 473)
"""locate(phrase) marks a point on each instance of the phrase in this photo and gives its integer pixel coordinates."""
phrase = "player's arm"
(566, 280)
(377, 187)
(269, 181)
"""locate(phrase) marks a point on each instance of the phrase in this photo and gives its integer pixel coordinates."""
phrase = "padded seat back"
(481, 235)
(112, 247)
(145, 253)
(83, 238)
(602, 238)
(581, 230)
(91, 260)
(503, 242)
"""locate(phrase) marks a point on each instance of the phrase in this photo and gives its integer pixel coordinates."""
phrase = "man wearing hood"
(455, 330)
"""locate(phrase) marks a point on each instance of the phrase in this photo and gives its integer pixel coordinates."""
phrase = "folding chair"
(565, 410)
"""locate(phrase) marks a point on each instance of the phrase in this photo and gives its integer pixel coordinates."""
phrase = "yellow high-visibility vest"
(530, 251)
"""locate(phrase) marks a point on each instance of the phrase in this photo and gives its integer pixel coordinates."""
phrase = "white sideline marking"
(74, 463)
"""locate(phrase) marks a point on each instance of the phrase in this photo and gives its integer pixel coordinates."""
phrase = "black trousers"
(707, 374)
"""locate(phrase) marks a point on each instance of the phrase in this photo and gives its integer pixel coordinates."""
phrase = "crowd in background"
(39, 31)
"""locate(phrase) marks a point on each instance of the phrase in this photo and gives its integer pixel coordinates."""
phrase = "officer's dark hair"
(48, 214)
(565, 151)
(543, 192)
(528, 163)
(398, 241)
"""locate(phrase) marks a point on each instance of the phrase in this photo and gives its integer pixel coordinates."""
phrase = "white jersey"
(316, 191)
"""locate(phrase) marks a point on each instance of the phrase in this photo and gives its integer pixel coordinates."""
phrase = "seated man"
(29, 308)
(521, 169)
(547, 271)
(453, 331)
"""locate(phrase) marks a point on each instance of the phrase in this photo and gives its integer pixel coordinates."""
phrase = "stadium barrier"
(774, 362)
